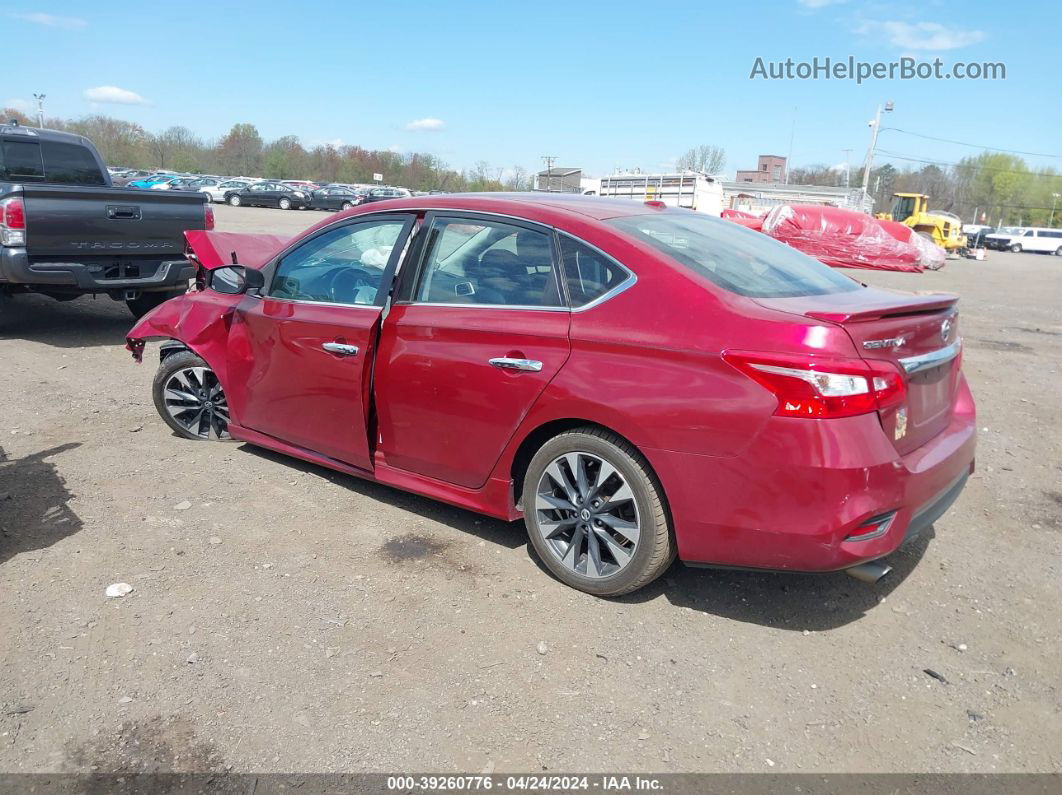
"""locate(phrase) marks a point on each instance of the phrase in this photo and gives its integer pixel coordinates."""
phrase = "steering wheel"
(343, 284)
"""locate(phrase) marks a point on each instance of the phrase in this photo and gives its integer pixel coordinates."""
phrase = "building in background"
(769, 168)
(559, 180)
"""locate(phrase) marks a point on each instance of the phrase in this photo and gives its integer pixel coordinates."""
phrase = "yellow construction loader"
(912, 209)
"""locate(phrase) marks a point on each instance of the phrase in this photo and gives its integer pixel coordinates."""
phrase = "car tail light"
(12, 222)
(656, 204)
(208, 217)
(809, 385)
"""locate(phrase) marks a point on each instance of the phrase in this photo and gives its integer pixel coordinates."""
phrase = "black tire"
(1015, 248)
(655, 547)
(235, 201)
(148, 301)
(214, 425)
(346, 206)
(284, 203)
(1058, 253)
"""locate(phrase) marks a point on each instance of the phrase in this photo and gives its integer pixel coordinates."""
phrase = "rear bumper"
(123, 274)
(793, 499)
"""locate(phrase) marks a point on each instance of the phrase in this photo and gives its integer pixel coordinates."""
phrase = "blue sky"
(597, 84)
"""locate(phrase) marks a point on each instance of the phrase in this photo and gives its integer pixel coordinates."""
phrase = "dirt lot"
(287, 618)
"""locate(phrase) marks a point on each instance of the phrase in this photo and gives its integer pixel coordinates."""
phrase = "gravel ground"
(287, 618)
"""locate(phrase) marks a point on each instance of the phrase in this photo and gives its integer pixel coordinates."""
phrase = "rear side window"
(21, 160)
(70, 164)
(589, 273)
(737, 259)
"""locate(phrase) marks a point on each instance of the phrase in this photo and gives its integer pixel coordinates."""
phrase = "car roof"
(515, 203)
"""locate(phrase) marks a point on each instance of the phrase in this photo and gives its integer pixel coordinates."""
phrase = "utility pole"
(548, 160)
(789, 158)
(1054, 198)
(875, 126)
(847, 167)
(40, 109)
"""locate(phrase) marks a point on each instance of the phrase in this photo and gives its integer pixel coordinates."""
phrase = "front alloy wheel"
(284, 204)
(595, 513)
(189, 397)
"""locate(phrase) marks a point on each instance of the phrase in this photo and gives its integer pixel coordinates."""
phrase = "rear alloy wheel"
(189, 397)
(1016, 248)
(1059, 252)
(595, 513)
(234, 200)
(284, 204)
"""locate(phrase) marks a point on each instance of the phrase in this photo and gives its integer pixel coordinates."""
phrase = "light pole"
(40, 109)
(875, 126)
(1054, 198)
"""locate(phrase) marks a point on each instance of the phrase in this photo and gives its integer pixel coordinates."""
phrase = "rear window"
(21, 160)
(49, 161)
(737, 259)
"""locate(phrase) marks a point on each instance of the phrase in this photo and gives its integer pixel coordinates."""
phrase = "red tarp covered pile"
(845, 238)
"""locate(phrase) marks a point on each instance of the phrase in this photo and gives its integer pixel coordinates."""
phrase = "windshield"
(737, 259)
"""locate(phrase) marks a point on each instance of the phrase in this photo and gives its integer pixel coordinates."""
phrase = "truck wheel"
(189, 398)
(596, 513)
(1016, 248)
(284, 204)
(1059, 252)
(234, 200)
(148, 301)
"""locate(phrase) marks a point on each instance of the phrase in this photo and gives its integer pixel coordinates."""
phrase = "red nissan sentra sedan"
(635, 382)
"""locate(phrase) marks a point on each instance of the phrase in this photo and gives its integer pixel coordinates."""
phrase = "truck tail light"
(810, 385)
(208, 216)
(12, 222)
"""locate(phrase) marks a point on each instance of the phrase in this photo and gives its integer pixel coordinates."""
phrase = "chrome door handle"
(505, 363)
(341, 348)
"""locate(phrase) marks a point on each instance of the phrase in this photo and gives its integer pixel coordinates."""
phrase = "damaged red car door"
(300, 353)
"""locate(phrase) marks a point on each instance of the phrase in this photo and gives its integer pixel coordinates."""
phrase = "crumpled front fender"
(199, 320)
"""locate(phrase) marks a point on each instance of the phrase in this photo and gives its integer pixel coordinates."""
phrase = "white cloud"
(52, 20)
(426, 125)
(820, 3)
(923, 35)
(112, 95)
(23, 105)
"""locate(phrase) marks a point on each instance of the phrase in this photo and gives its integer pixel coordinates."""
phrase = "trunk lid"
(918, 333)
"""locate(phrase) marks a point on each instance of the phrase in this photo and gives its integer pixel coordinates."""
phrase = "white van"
(1040, 240)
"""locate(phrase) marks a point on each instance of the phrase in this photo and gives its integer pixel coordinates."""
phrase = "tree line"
(992, 188)
(243, 152)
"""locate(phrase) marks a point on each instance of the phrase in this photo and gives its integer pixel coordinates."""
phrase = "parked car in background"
(220, 192)
(125, 177)
(636, 383)
(177, 183)
(1040, 240)
(335, 199)
(1001, 239)
(65, 231)
(383, 194)
(303, 185)
(145, 183)
(269, 194)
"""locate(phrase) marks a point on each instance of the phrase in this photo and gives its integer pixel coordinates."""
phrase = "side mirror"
(234, 279)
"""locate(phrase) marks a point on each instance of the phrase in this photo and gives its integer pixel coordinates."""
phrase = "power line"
(979, 167)
(973, 146)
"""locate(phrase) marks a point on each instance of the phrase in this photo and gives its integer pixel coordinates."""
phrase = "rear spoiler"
(215, 249)
(910, 305)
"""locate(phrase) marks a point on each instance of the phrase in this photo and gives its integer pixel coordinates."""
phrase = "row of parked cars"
(1036, 239)
(255, 192)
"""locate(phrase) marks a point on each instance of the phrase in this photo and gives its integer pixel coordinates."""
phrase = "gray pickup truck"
(66, 231)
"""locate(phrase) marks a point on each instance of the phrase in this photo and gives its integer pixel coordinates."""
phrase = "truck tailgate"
(73, 221)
